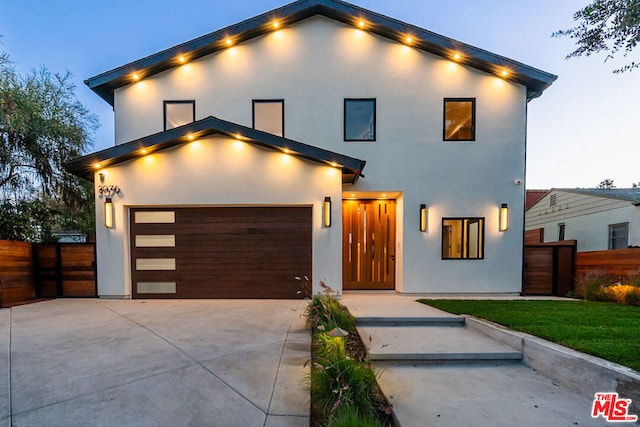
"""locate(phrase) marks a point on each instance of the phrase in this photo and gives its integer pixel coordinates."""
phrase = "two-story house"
(239, 161)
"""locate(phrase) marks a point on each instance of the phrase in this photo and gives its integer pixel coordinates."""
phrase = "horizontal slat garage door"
(220, 252)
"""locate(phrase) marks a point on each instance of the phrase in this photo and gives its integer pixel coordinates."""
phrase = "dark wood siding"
(228, 252)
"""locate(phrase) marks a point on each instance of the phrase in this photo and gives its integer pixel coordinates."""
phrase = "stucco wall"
(317, 63)
(211, 172)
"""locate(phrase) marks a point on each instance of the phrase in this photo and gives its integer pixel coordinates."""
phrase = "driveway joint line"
(102, 390)
(186, 354)
(284, 346)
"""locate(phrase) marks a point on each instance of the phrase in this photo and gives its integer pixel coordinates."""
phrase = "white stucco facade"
(586, 219)
(314, 65)
(215, 171)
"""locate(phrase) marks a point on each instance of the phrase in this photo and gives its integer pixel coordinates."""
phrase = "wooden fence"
(46, 270)
(549, 268)
(16, 272)
(617, 262)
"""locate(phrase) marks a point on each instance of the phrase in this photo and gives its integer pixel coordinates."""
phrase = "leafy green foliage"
(610, 26)
(42, 125)
(606, 330)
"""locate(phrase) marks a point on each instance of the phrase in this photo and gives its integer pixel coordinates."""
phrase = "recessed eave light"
(228, 42)
(96, 165)
(504, 73)
(190, 137)
(457, 57)
(135, 77)
(275, 25)
(408, 40)
(182, 59)
(361, 23)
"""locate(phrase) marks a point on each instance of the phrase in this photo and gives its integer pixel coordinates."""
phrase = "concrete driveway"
(149, 363)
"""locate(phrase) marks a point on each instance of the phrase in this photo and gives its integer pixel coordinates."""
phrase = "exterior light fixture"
(338, 333)
(326, 212)
(228, 42)
(143, 151)
(361, 23)
(504, 217)
(96, 165)
(182, 59)
(190, 137)
(108, 213)
(276, 24)
(423, 218)
(108, 191)
(409, 40)
(456, 57)
(504, 73)
(334, 164)
(135, 77)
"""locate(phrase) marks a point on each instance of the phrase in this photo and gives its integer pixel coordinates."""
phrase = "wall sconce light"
(108, 191)
(108, 213)
(326, 212)
(504, 217)
(423, 218)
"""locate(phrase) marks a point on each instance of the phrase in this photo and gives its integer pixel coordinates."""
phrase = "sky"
(583, 129)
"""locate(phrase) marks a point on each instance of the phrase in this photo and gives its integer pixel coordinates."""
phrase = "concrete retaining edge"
(582, 373)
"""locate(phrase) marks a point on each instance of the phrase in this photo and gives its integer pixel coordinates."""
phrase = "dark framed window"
(178, 113)
(268, 116)
(359, 119)
(462, 238)
(619, 236)
(459, 119)
(561, 229)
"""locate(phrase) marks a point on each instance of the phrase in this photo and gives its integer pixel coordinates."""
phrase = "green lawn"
(606, 330)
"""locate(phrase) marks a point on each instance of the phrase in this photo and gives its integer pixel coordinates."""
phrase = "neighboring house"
(240, 161)
(532, 196)
(598, 219)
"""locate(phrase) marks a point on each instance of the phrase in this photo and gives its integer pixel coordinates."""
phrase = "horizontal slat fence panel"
(615, 262)
(16, 272)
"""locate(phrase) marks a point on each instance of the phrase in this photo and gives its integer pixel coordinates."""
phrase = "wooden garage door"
(220, 252)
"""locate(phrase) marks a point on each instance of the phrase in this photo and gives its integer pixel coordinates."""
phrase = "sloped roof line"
(85, 166)
(627, 194)
(534, 79)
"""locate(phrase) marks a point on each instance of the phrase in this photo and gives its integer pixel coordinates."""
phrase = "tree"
(606, 184)
(611, 26)
(42, 125)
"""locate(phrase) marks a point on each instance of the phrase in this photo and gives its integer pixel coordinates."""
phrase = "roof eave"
(85, 166)
(106, 83)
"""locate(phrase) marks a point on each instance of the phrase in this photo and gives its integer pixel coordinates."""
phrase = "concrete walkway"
(438, 372)
(144, 363)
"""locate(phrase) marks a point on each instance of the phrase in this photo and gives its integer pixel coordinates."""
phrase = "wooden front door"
(368, 244)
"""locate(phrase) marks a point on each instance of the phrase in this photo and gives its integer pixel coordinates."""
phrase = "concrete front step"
(409, 321)
(434, 344)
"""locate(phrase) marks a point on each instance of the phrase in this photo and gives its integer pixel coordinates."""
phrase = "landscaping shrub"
(593, 287)
(325, 312)
(344, 389)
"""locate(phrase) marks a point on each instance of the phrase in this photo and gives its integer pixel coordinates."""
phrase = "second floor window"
(178, 113)
(268, 116)
(459, 119)
(360, 119)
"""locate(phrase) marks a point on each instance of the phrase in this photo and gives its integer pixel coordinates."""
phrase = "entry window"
(459, 119)
(462, 238)
(268, 116)
(561, 228)
(619, 236)
(359, 119)
(178, 113)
